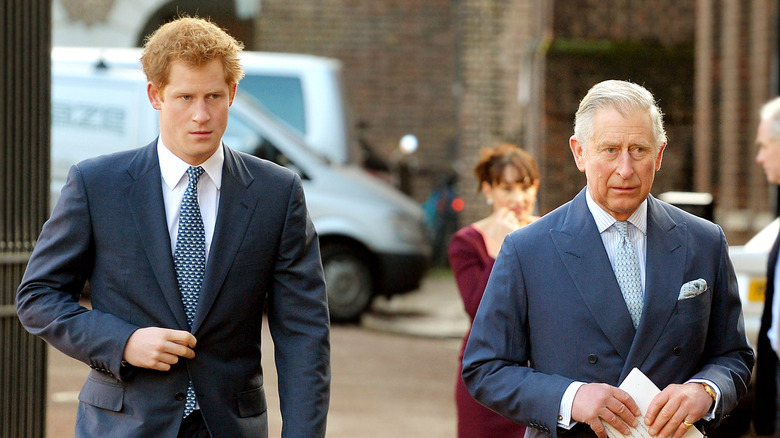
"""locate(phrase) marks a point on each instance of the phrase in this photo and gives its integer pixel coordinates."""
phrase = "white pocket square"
(692, 289)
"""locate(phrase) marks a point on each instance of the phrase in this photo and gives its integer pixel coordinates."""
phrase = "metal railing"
(24, 180)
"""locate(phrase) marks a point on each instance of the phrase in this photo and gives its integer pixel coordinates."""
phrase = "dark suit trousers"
(777, 395)
(193, 426)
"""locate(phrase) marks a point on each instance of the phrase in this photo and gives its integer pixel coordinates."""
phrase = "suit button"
(592, 358)
(180, 396)
(677, 351)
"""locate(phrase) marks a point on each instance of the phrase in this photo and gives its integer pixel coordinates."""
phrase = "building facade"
(465, 74)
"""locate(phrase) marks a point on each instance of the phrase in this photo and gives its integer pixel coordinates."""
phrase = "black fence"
(24, 180)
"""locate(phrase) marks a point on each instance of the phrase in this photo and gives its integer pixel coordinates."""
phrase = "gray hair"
(625, 98)
(771, 111)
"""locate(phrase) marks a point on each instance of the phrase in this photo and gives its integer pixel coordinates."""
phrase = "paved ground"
(393, 374)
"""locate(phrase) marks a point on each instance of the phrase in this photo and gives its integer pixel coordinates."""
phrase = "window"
(241, 137)
(282, 95)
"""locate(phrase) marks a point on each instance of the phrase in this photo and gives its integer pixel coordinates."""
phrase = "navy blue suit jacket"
(109, 228)
(553, 300)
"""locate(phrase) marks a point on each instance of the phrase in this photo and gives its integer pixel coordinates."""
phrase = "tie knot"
(194, 173)
(622, 227)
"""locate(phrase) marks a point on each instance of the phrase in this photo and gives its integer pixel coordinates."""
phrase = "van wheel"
(348, 281)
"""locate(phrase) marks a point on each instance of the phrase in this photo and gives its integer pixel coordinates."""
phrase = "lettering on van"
(87, 115)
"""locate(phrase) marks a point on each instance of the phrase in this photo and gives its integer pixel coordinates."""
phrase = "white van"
(372, 237)
(304, 91)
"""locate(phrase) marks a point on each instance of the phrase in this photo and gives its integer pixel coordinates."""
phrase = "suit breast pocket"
(693, 314)
(696, 305)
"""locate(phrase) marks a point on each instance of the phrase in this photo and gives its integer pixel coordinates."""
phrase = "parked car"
(750, 262)
(372, 237)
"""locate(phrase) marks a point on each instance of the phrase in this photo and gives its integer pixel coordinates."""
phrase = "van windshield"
(282, 95)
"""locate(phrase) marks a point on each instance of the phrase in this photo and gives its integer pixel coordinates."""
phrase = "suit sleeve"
(299, 322)
(498, 350)
(47, 300)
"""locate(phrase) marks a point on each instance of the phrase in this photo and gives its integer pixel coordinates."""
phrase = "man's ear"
(578, 152)
(659, 157)
(155, 96)
(233, 93)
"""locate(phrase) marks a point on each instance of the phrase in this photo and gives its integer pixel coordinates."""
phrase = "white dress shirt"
(174, 184)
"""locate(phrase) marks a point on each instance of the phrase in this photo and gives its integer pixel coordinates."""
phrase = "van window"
(282, 95)
(241, 137)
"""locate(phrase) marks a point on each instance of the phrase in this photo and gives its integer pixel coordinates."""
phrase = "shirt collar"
(173, 168)
(604, 220)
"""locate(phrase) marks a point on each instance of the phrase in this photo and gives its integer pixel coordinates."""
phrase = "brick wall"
(495, 39)
(399, 65)
(646, 42)
(738, 44)
(463, 75)
(667, 22)
(711, 109)
(444, 71)
(573, 69)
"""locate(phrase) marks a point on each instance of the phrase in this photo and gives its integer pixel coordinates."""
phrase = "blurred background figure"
(509, 179)
(442, 208)
(767, 414)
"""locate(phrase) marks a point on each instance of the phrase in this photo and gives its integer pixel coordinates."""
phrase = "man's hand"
(598, 401)
(674, 405)
(158, 348)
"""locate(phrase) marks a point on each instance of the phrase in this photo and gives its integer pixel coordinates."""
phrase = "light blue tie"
(627, 273)
(190, 258)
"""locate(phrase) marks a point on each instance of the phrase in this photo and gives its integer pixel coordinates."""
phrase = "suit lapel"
(236, 205)
(580, 247)
(665, 268)
(148, 209)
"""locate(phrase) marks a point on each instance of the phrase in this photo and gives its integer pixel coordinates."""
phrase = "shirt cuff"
(711, 413)
(564, 411)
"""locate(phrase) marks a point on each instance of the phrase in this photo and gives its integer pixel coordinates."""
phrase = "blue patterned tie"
(627, 273)
(190, 258)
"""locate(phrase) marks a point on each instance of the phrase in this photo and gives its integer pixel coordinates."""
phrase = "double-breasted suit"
(109, 228)
(553, 302)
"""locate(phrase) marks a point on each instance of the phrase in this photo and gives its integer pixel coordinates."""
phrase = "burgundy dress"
(471, 266)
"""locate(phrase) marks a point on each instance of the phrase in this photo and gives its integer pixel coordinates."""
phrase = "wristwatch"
(709, 391)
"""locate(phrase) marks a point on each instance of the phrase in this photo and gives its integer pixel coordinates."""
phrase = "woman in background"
(509, 179)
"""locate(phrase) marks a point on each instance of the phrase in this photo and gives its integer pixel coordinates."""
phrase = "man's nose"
(201, 113)
(625, 164)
